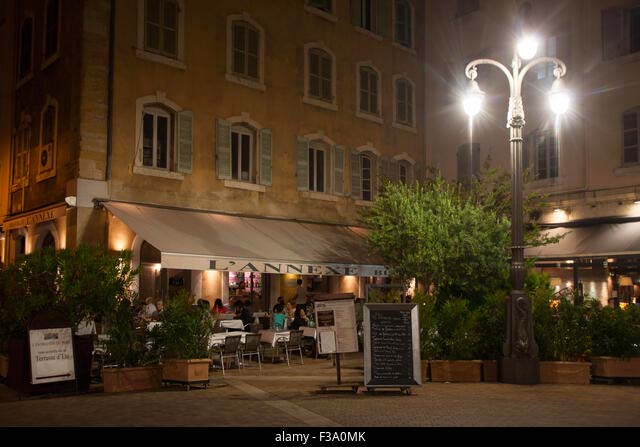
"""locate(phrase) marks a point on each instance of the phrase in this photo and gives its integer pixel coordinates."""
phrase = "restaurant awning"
(195, 240)
(603, 240)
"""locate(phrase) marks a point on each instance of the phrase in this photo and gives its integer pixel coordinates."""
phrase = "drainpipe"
(112, 26)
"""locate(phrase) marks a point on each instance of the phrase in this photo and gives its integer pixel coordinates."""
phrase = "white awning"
(198, 240)
(595, 241)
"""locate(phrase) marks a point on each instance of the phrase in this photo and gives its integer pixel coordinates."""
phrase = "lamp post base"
(519, 371)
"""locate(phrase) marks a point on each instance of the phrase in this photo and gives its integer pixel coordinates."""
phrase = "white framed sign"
(339, 318)
(327, 342)
(51, 355)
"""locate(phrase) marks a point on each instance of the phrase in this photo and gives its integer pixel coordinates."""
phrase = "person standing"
(301, 296)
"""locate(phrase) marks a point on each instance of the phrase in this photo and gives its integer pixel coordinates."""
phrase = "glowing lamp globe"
(473, 100)
(528, 47)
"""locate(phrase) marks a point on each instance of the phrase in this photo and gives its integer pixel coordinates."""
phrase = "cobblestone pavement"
(281, 396)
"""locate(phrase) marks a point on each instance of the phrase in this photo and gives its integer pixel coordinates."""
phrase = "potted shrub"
(490, 321)
(183, 337)
(562, 334)
(615, 342)
(133, 359)
(454, 343)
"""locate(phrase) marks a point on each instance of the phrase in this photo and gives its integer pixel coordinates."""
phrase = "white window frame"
(24, 79)
(396, 43)
(143, 53)
(536, 137)
(312, 100)
(157, 112)
(377, 118)
(327, 15)
(153, 101)
(43, 175)
(231, 76)
(245, 120)
(21, 157)
(317, 146)
(374, 155)
(241, 130)
(409, 163)
(55, 56)
(398, 124)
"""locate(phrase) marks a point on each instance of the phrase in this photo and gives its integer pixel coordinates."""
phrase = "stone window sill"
(364, 202)
(320, 13)
(234, 184)
(152, 172)
(370, 117)
(369, 33)
(246, 82)
(45, 175)
(153, 57)
(320, 196)
(409, 50)
(627, 170)
(320, 103)
(544, 183)
(405, 127)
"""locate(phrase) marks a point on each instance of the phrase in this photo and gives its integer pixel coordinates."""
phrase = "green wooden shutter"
(338, 170)
(223, 149)
(356, 181)
(356, 12)
(302, 164)
(185, 142)
(266, 155)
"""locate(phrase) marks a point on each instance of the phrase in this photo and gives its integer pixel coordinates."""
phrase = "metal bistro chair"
(230, 350)
(293, 344)
(251, 347)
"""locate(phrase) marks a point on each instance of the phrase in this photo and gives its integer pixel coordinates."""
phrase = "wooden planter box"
(567, 373)
(188, 371)
(456, 370)
(118, 380)
(4, 366)
(489, 371)
(615, 367)
(425, 370)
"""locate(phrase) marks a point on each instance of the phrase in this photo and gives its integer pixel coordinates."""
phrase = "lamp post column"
(520, 363)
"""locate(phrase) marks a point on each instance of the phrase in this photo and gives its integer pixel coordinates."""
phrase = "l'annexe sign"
(174, 261)
(36, 218)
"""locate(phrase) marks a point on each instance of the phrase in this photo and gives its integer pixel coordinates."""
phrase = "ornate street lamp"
(520, 362)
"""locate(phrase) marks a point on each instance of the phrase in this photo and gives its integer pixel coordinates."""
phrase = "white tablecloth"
(271, 337)
(219, 338)
(232, 324)
(308, 331)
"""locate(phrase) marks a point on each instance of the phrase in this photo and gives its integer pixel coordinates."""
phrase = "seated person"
(242, 313)
(300, 320)
(278, 321)
(149, 311)
(247, 305)
(218, 308)
(279, 307)
(290, 310)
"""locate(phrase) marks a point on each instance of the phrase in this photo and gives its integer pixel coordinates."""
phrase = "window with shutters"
(465, 7)
(25, 53)
(161, 31)
(320, 74)
(366, 176)
(403, 23)
(318, 160)
(631, 137)
(51, 30)
(620, 32)
(22, 146)
(164, 142)
(369, 93)
(404, 112)
(545, 154)
(468, 162)
(245, 51)
(48, 140)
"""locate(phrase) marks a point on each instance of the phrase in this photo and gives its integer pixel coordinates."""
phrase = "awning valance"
(595, 241)
(198, 240)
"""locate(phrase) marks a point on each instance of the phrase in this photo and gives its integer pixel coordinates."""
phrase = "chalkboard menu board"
(392, 353)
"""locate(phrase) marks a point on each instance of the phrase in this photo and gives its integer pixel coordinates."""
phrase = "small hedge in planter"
(183, 337)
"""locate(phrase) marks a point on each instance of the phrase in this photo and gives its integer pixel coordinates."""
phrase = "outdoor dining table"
(271, 337)
(219, 338)
(232, 324)
(308, 331)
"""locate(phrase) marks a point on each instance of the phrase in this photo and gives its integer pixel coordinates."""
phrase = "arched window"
(369, 90)
(243, 154)
(246, 50)
(48, 241)
(320, 75)
(403, 26)
(48, 140)
(404, 95)
(318, 162)
(631, 137)
(25, 61)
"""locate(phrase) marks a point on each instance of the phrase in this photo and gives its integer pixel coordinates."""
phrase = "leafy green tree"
(433, 232)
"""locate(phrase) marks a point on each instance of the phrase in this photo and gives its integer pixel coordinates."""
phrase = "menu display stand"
(392, 347)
